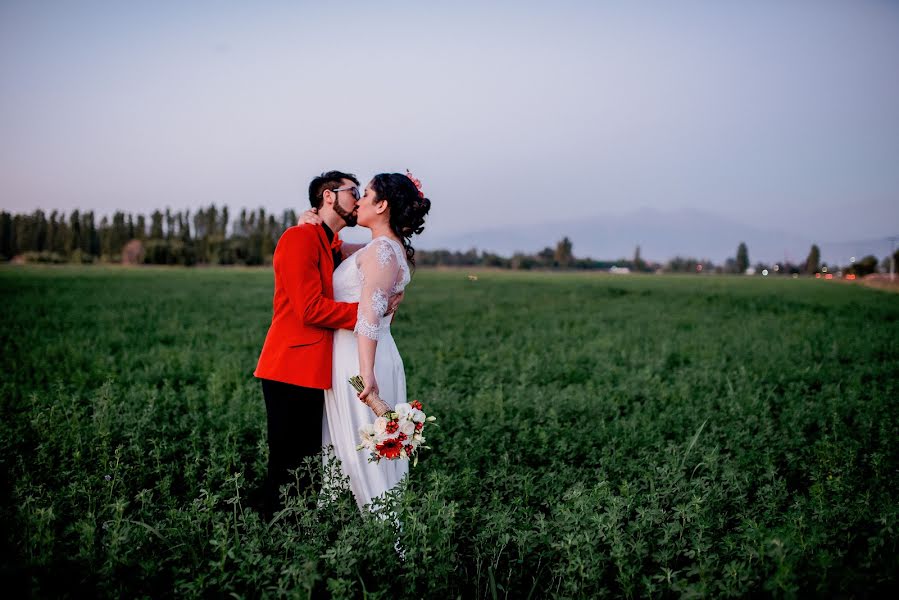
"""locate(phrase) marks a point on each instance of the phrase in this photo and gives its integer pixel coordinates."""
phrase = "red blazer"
(299, 342)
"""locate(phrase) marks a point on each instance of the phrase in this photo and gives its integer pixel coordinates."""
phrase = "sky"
(779, 114)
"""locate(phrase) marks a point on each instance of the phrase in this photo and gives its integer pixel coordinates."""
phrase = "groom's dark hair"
(327, 181)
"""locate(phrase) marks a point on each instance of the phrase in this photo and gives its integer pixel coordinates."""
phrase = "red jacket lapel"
(323, 238)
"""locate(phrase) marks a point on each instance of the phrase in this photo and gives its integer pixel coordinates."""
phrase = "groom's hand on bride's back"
(394, 303)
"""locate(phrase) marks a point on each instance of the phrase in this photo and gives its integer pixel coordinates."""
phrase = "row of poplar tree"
(208, 236)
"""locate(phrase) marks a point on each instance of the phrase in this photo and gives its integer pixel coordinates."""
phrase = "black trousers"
(294, 432)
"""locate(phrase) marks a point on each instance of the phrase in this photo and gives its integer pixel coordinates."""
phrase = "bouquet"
(395, 434)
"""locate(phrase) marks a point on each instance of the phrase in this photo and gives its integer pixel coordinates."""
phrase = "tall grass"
(599, 437)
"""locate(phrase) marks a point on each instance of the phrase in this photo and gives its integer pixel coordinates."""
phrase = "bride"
(393, 208)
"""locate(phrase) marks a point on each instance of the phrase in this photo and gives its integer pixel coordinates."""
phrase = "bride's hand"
(310, 217)
(369, 396)
(371, 387)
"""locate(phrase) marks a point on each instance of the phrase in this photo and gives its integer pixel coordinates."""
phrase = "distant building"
(133, 253)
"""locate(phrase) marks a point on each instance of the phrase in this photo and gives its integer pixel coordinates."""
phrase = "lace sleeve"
(379, 267)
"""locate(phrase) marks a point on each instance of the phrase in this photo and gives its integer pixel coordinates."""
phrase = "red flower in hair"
(416, 182)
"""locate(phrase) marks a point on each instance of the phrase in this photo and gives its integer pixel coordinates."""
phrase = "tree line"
(210, 236)
(562, 257)
(812, 265)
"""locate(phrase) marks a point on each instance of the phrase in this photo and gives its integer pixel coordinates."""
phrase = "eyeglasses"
(351, 189)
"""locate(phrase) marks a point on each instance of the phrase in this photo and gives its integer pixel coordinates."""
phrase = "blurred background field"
(599, 436)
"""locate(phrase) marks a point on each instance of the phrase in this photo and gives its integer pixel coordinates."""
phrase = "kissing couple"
(333, 305)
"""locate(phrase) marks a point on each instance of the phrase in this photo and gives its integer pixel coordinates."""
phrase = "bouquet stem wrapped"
(373, 401)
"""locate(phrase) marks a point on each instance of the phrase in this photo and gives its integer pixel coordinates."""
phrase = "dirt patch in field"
(882, 281)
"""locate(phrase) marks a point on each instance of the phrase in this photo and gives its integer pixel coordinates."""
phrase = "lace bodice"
(370, 276)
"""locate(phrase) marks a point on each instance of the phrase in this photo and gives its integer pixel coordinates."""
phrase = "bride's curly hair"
(407, 207)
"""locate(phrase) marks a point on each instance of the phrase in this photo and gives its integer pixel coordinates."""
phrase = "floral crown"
(416, 182)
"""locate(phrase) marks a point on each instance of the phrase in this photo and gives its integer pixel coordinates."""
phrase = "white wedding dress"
(369, 277)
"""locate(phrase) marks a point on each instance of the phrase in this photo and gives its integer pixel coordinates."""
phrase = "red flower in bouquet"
(419, 426)
(409, 449)
(392, 426)
(415, 404)
(390, 448)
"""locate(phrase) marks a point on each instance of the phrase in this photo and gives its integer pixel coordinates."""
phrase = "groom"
(295, 364)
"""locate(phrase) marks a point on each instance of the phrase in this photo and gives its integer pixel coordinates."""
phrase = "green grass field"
(599, 436)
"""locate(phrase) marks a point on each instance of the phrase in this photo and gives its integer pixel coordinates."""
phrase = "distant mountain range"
(661, 236)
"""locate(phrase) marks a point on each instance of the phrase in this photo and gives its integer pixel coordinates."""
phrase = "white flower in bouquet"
(407, 427)
(367, 436)
(380, 425)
